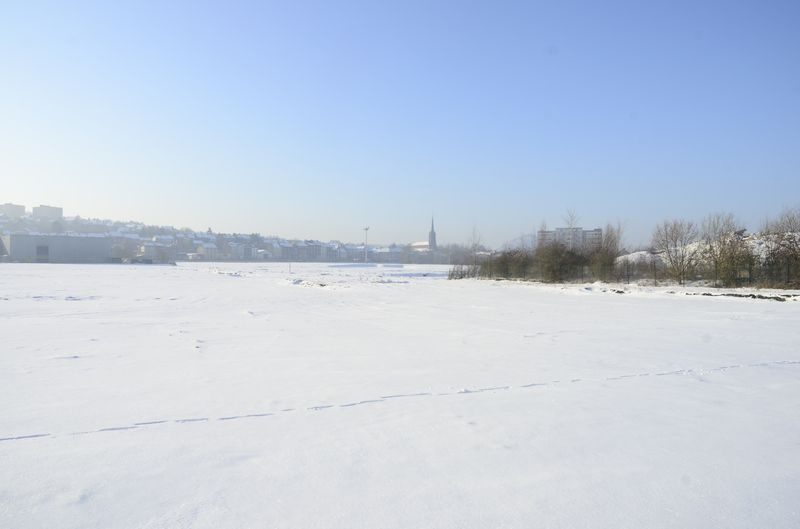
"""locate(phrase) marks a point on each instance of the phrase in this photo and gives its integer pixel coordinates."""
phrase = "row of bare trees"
(717, 250)
(781, 250)
(557, 262)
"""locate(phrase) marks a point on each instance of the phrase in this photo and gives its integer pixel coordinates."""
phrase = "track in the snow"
(387, 398)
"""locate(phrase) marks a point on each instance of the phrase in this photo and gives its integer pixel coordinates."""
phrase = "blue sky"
(314, 119)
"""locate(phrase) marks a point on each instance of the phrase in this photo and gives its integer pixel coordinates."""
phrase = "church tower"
(432, 238)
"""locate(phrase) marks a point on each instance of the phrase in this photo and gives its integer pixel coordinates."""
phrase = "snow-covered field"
(317, 396)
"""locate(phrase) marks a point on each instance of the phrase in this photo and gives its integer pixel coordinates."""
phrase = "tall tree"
(676, 241)
(720, 244)
(785, 236)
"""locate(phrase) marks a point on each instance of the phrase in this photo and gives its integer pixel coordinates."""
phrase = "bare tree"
(676, 241)
(770, 251)
(721, 245)
(784, 237)
(542, 229)
(604, 258)
(571, 219)
(474, 244)
(789, 224)
(557, 263)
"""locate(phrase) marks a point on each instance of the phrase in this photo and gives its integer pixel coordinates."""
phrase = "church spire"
(432, 237)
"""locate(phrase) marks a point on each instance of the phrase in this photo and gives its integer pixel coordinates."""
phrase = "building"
(574, 239)
(389, 254)
(125, 246)
(156, 252)
(593, 239)
(45, 248)
(429, 246)
(12, 211)
(47, 212)
(420, 246)
(208, 251)
(333, 252)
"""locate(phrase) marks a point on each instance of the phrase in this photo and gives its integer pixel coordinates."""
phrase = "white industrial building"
(12, 211)
(574, 239)
(48, 248)
(47, 212)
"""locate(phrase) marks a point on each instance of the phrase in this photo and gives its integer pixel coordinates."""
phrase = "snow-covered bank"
(665, 288)
(318, 396)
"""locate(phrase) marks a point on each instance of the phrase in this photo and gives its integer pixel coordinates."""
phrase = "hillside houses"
(47, 236)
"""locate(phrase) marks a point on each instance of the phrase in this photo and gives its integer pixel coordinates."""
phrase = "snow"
(301, 396)
(641, 256)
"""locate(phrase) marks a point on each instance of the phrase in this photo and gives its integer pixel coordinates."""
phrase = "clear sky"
(314, 119)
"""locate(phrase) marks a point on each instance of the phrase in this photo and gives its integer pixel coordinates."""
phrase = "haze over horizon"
(313, 120)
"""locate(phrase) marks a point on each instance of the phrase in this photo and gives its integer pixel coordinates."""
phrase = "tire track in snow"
(388, 398)
(30, 436)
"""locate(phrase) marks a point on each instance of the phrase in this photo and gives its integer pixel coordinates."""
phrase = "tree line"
(718, 250)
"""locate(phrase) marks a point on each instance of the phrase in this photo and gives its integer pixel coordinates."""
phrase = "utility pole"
(366, 231)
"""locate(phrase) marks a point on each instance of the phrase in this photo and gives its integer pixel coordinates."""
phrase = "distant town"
(44, 235)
